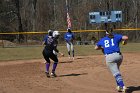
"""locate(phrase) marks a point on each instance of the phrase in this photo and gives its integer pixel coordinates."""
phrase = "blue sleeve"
(45, 38)
(65, 37)
(99, 44)
(119, 36)
(73, 36)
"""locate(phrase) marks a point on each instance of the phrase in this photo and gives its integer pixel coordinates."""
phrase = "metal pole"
(67, 6)
(66, 2)
(2, 42)
(54, 13)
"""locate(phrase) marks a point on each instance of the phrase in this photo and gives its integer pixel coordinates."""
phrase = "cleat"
(124, 90)
(53, 74)
(119, 89)
(47, 74)
(69, 57)
(73, 58)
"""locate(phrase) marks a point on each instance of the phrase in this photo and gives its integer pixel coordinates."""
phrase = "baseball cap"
(109, 31)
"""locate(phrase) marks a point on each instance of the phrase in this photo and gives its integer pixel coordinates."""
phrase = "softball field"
(86, 74)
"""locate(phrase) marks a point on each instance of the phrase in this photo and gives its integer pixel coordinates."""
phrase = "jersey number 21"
(108, 44)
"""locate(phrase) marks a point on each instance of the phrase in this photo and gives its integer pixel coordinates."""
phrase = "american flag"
(68, 20)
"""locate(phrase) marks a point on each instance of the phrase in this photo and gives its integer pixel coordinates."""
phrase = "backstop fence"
(18, 39)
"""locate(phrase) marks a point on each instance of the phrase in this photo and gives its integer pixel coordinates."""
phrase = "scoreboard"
(105, 17)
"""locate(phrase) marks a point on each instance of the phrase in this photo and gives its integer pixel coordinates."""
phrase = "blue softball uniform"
(113, 56)
(110, 45)
(68, 36)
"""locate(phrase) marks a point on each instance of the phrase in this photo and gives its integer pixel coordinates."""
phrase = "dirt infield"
(86, 74)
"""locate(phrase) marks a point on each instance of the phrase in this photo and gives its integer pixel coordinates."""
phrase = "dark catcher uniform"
(50, 46)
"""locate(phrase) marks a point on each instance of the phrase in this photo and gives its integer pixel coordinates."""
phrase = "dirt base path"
(86, 74)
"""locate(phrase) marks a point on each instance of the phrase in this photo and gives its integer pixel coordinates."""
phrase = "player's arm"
(124, 40)
(72, 38)
(98, 47)
(56, 50)
(124, 37)
(43, 43)
(44, 40)
(66, 39)
(61, 53)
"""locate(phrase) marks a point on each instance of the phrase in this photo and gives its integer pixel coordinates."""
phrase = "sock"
(119, 80)
(47, 67)
(73, 53)
(54, 67)
(69, 53)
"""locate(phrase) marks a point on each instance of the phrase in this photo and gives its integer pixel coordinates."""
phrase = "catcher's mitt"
(124, 42)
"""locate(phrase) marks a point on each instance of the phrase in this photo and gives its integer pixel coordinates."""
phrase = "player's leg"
(55, 59)
(47, 63)
(72, 49)
(112, 63)
(68, 48)
(116, 73)
(119, 62)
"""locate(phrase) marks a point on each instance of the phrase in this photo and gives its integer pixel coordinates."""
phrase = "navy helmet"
(50, 32)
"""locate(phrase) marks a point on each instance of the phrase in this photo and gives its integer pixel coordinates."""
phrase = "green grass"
(130, 47)
(25, 53)
(20, 53)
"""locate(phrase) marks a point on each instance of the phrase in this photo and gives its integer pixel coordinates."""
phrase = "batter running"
(110, 46)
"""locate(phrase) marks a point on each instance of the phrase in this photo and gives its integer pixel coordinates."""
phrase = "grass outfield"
(24, 53)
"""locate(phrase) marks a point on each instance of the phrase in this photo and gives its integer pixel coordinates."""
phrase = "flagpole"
(68, 17)
(67, 5)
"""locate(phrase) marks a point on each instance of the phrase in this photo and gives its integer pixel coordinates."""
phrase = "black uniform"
(50, 45)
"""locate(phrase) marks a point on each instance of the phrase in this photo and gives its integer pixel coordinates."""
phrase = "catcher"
(50, 46)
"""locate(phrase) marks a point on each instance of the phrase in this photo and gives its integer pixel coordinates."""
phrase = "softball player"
(50, 46)
(110, 46)
(69, 37)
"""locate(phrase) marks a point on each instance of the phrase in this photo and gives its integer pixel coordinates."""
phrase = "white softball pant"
(70, 46)
(113, 61)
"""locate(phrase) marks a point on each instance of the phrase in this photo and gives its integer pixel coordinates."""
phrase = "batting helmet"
(50, 32)
(56, 33)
